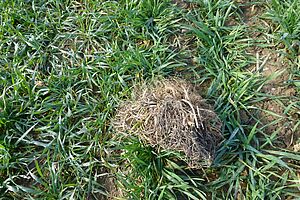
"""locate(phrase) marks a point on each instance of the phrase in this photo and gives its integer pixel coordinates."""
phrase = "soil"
(270, 61)
(112, 188)
(184, 4)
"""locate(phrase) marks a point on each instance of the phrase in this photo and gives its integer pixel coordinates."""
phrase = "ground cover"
(66, 66)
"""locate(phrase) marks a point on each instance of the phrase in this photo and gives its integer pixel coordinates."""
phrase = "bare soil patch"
(270, 62)
(184, 4)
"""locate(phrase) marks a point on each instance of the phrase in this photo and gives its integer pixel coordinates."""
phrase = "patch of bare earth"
(270, 62)
(184, 4)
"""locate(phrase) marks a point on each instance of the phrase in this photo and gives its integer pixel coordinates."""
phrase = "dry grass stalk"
(169, 114)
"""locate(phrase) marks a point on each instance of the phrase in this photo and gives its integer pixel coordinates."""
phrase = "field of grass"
(65, 66)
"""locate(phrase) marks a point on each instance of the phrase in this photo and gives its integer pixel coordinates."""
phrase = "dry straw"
(169, 114)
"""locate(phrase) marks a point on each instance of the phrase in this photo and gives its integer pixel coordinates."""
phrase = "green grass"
(286, 23)
(283, 14)
(65, 66)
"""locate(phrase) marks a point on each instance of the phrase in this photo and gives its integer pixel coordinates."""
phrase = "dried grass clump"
(169, 114)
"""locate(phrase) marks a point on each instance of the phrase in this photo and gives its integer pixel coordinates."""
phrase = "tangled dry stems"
(169, 114)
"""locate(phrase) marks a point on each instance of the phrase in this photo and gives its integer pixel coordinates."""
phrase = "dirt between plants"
(270, 61)
(185, 4)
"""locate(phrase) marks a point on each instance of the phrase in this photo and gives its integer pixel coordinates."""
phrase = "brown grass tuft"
(169, 114)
